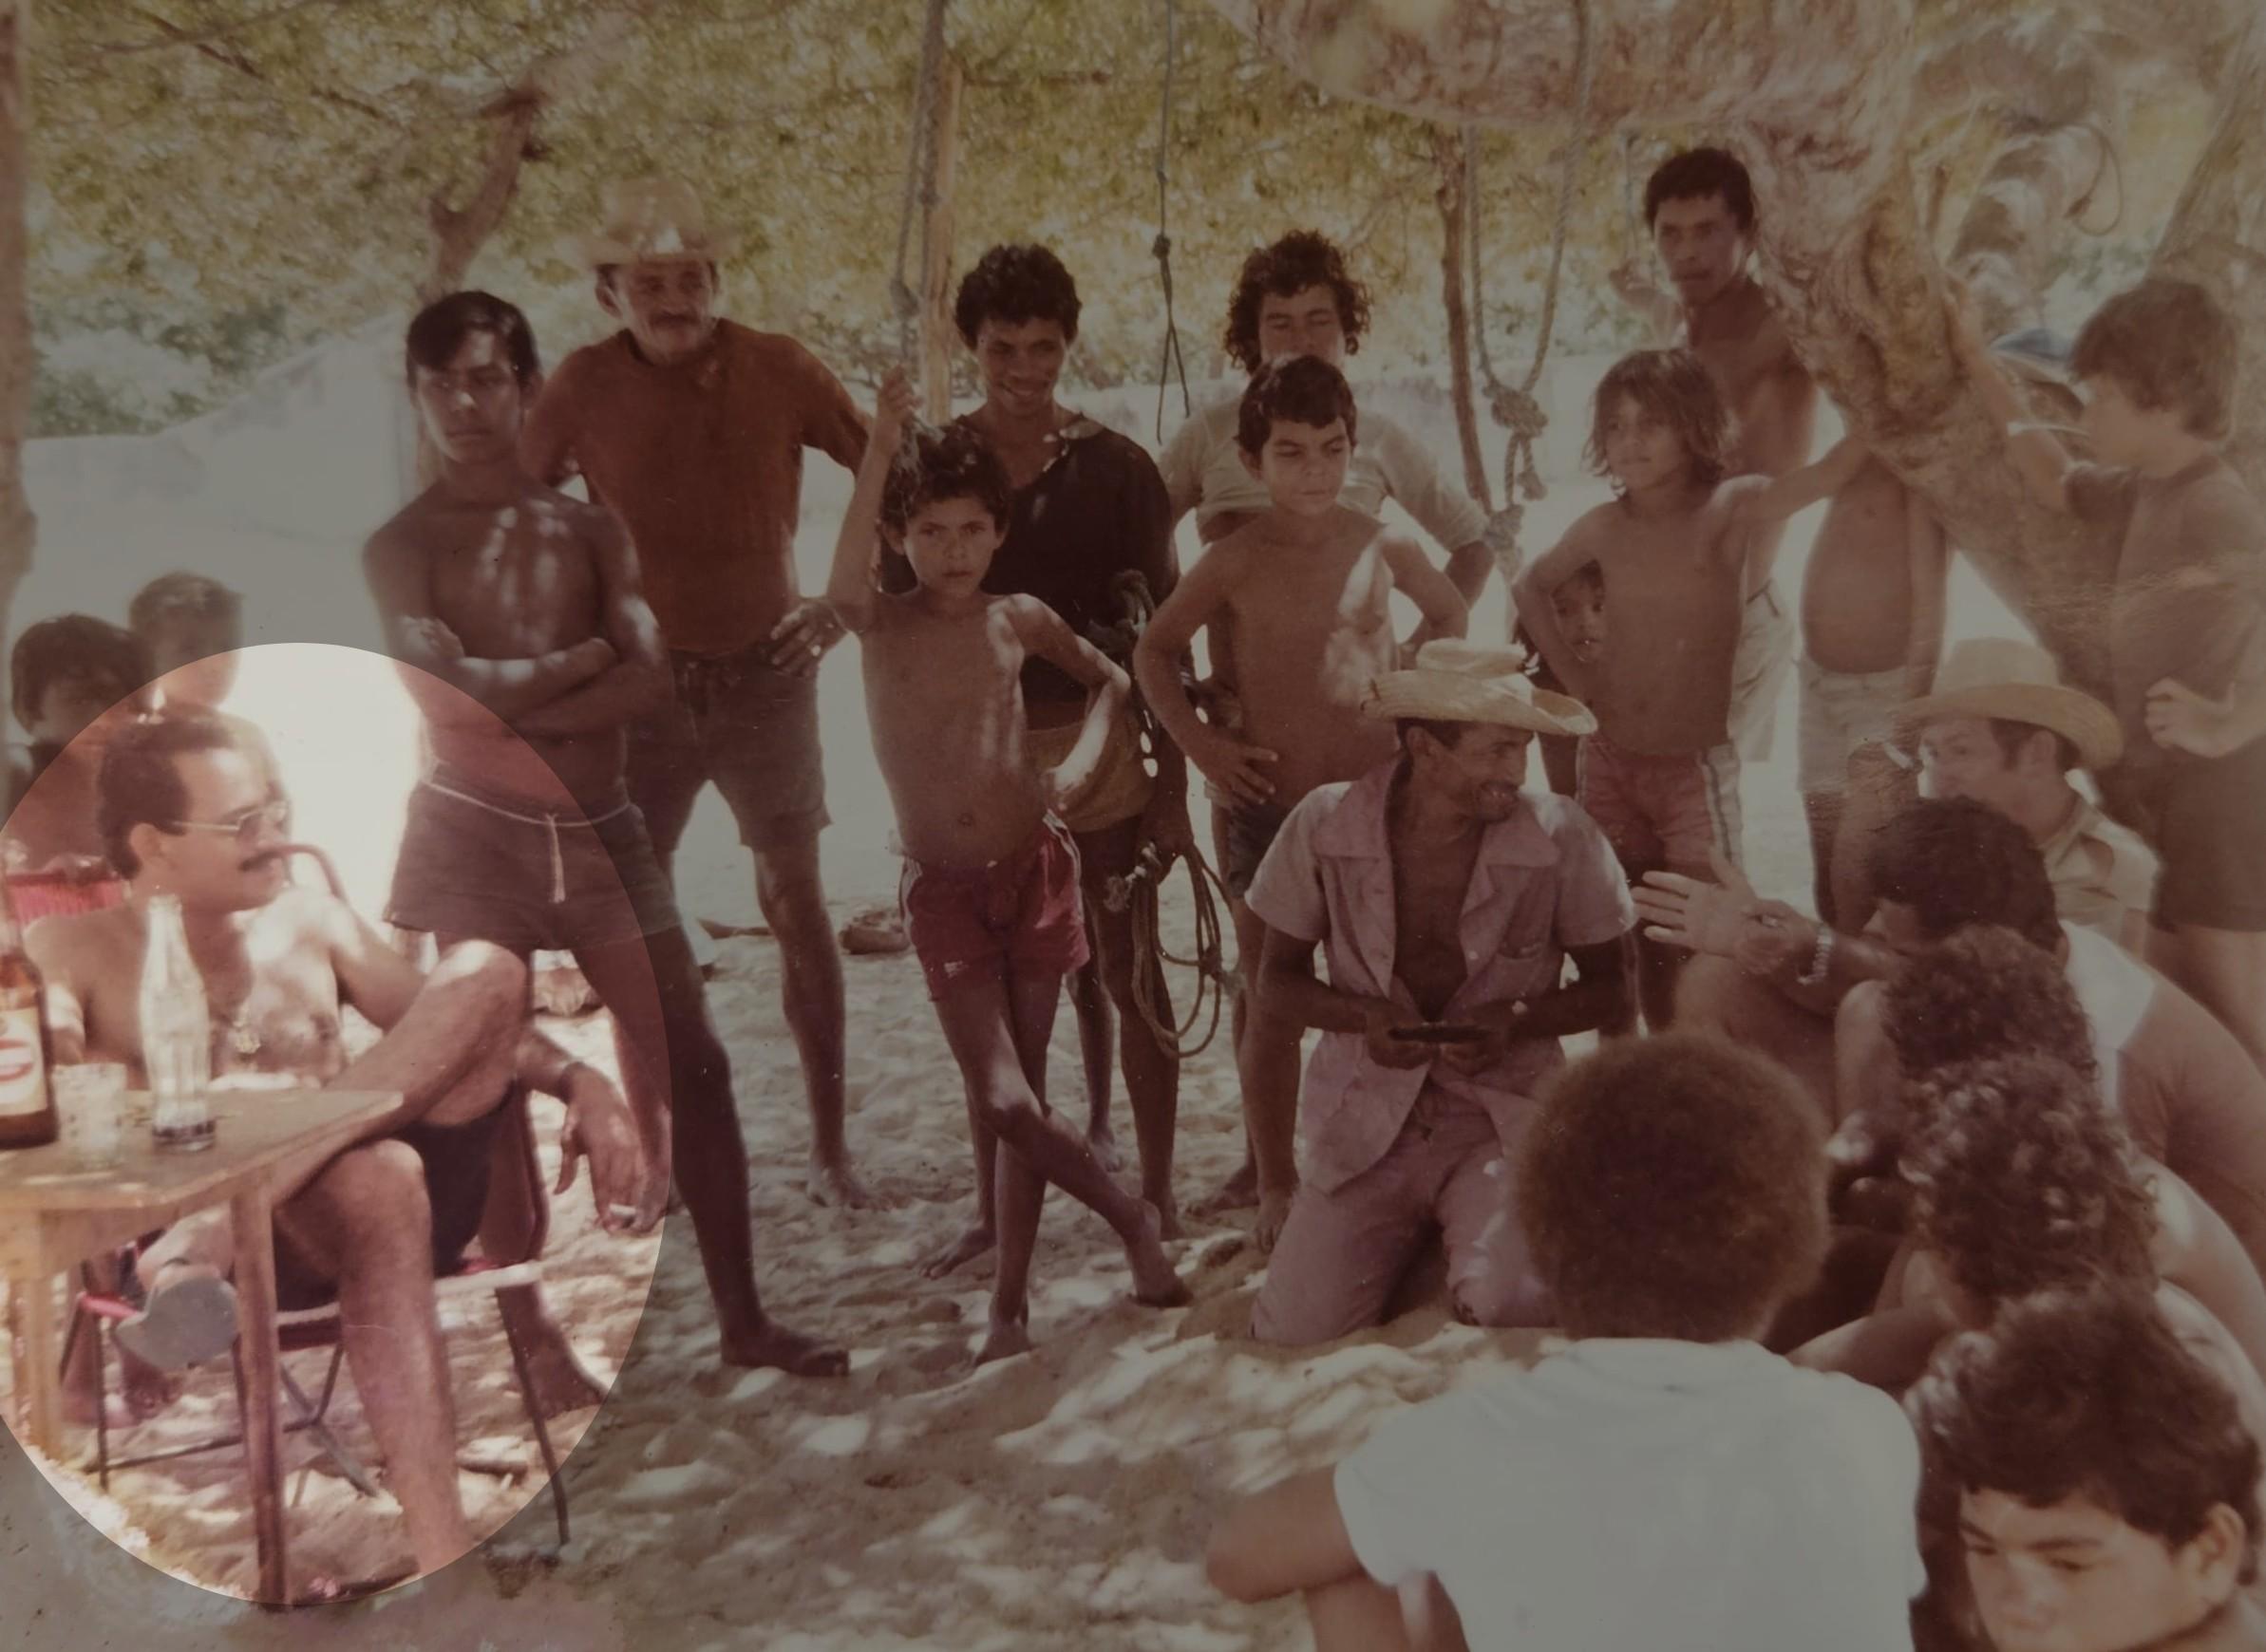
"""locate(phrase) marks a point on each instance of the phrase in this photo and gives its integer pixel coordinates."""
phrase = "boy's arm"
(1156, 659)
(638, 679)
(1284, 1540)
(1530, 594)
(1046, 637)
(400, 584)
(1446, 612)
(1930, 567)
(850, 587)
(1806, 484)
(2037, 454)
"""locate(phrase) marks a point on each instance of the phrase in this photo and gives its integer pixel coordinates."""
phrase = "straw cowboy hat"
(1459, 681)
(652, 217)
(2000, 677)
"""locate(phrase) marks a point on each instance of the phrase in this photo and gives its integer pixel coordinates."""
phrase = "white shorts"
(1842, 711)
(1758, 671)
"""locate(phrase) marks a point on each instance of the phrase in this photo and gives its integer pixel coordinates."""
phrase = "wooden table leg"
(38, 1400)
(249, 1216)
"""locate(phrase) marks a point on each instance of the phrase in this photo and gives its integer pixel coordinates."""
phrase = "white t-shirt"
(1629, 1495)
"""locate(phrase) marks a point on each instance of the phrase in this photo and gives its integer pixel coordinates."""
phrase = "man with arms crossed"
(512, 602)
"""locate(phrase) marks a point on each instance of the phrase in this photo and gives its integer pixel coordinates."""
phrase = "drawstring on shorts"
(548, 820)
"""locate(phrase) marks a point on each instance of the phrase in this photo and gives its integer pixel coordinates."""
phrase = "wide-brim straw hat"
(1457, 682)
(651, 218)
(2017, 681)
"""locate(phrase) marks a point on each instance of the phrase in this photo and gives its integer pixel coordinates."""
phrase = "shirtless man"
(185, 810)
(1302, 592)
(517, 616)
(692, 428)
(1699, 206)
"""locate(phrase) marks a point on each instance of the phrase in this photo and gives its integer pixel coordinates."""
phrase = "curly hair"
(2089, 1395)
(1980, 992)
(1675, 388)
(954, 463)
(1303, 390)
(2024, 1181)
(1690, 174)
(1016, 284)
(1956, 862)
(74, 645)
(1673, 1187)
(2168, 344)
(1301, 259)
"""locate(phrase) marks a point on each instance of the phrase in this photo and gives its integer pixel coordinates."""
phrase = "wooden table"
(56, 1210)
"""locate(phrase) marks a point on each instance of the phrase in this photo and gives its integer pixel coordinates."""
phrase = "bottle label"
(22, 1066)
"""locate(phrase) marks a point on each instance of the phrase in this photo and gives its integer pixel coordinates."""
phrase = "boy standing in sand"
(1679, 559)
(2186, 618)
(1302, 592)
(990, 888)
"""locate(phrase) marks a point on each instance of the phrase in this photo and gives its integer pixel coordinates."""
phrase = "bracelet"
(1821, 959)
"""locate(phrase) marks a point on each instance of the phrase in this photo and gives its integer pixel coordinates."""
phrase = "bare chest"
(274, 1013)
(516, 585)
(1428, 895)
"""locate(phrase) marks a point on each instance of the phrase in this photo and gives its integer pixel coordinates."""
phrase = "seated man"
(185, 808)
(1662, 1481)
(1449, 899)
(2000, 728)
(76, 681)
(2023, 1182)
(2099, 1480)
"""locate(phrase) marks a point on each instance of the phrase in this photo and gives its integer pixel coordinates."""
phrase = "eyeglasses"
(245, 828)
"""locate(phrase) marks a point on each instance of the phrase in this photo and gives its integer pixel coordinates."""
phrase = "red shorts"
(1662, 811)
(1022, 909)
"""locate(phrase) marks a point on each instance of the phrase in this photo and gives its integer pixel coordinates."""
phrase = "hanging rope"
(920, 182)
(1161, 246)
(1515, 406)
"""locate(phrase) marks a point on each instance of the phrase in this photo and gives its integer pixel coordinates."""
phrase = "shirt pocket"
(1525, 966)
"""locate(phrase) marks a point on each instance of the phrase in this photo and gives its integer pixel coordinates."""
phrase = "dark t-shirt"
(1098, 511)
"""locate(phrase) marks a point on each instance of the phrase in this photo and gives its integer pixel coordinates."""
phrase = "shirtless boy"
(1302, 594)
(694, 428)
(74, 681)
(2186, 616)
(2106, 1485)
(990, 888)
(185, 810)
(517, 616)
(1678, 559)
(1699, 207)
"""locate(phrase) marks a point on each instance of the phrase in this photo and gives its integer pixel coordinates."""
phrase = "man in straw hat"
(1448, 898)
(693, 428)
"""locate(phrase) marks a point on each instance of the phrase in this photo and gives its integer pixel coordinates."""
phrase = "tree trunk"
(2217, 237)
(1816, 97)
(17, 528)
(936, 325)
(1447, 154)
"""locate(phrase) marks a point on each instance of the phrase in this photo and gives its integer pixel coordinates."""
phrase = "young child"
(193, 626)
(2187, 648)
(1302, 594)
(74, 679)
(2099, 1479)
(991, 885)
(1661, 1481)
(1678, 557)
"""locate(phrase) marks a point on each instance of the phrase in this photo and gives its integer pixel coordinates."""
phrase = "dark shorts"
(456, 1160)
(1252, 829)
(752, 730)
(1022, 909)
(2210, 832)
(493, 867)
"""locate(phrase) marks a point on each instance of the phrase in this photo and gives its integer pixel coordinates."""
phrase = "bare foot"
(772, 1345)
(1155, 1283)
(967, 1247)
(560, 1380)
(1102, 1142)
(1275, 1209)
(1240, 1191)
(835, 1184)
(1005, 1338)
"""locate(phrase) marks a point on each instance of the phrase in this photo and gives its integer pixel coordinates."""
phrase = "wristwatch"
(1821, 959)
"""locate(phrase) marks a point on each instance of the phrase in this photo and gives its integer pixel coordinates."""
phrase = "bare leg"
(1097, 1035)
(1879, 789)
(1152, 1067)
(1357, 1614)
(1022, 1191)
(2224, 970)
(794, 904)
(1822, 811)
(974, 1240)
(979, 1020)
(654, 989)
(1659, 966)
(144, 1390)
(1240, 1191)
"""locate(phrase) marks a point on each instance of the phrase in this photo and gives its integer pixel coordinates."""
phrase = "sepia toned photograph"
(1171, 824)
